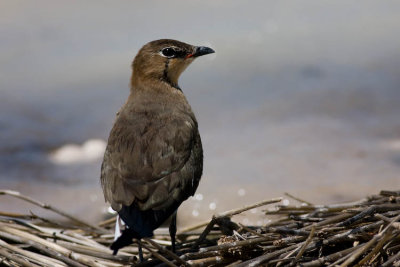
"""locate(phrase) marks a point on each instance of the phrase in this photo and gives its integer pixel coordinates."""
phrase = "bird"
(154, 157)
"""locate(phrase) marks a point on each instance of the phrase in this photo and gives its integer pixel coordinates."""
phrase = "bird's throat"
(170, 76)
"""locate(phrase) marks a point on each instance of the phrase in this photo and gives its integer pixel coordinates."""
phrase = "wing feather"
(143, 155)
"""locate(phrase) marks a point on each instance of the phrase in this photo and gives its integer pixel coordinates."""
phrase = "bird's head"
(164, 60)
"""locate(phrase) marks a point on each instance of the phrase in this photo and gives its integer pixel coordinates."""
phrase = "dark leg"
(140, 251)
(172, 231)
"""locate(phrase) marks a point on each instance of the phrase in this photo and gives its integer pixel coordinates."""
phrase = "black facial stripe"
(166, 78)
(166, 69)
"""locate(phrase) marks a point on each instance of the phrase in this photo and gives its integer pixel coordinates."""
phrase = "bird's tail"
(124, 240)
(140, 223)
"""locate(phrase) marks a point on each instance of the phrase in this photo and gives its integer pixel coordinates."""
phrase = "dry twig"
(365, 232)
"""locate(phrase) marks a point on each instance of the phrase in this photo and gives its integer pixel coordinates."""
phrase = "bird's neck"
(156, 97)
(153, 82)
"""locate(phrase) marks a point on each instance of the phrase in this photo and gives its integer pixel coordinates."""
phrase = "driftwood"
(361, 233)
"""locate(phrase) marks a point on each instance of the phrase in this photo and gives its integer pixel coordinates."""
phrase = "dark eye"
(168, 52)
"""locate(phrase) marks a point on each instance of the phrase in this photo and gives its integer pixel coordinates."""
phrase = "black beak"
(202, 50)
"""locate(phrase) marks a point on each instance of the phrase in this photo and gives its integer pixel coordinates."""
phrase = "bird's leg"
(172, 231)
(140, 251)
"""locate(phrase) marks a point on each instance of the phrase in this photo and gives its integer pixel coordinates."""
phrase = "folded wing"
(145, 160)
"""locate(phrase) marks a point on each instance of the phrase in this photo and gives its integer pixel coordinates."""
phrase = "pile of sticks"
(362, 233)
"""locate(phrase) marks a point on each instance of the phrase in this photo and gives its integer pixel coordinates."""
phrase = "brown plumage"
(154, 158)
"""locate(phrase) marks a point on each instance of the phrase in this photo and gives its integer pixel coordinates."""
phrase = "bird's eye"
(168, 52)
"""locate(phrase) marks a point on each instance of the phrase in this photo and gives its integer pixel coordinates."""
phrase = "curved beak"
(201, 51)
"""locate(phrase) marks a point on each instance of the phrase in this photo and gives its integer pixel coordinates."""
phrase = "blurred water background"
(301, 97)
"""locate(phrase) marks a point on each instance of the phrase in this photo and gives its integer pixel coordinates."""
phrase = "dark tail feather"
(140, 223)
(124, 240)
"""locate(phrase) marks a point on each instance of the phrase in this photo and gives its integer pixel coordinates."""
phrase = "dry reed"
(362, 233)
